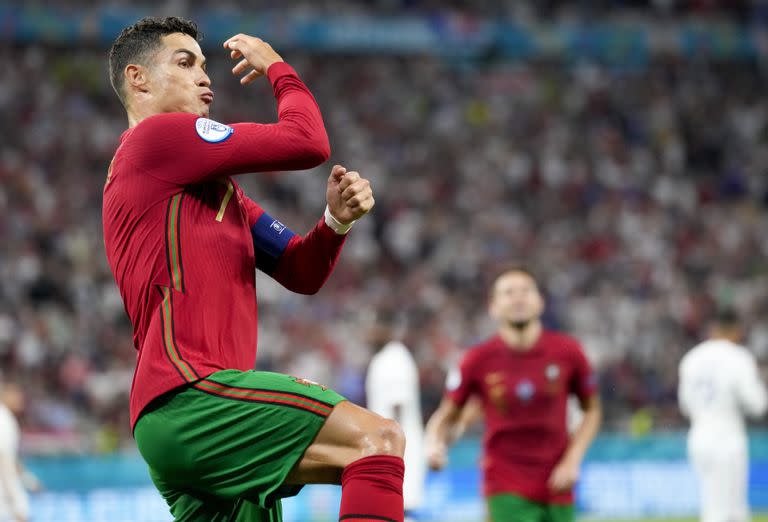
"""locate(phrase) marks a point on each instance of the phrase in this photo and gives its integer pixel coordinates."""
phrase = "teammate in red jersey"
(522, 377)
(222, 441)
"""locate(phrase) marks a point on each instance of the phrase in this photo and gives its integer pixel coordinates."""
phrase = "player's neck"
(732, 338)
(139, 112)
(135, 118)
(521, 339)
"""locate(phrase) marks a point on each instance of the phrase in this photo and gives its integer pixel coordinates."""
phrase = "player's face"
(516, 299)
(177, 78)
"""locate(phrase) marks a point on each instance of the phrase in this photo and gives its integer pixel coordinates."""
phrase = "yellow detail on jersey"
(497, 394)
(109, 172)
(494, 377)
(225, 201)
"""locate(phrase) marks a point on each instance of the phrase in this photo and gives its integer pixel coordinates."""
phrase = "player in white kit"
(392, 390)
(14, 504)
(719, 386)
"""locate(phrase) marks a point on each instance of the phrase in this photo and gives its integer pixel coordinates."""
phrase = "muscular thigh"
(349, 433)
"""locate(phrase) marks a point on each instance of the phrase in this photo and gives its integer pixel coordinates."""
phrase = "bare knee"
(383, 437)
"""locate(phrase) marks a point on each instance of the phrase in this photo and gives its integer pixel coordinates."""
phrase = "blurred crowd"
(521, 10)
(638, 196)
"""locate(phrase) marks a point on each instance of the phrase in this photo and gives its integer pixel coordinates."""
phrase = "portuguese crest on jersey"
(525, 390)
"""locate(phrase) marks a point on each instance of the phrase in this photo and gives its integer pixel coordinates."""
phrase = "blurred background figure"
(719, 386)
(523, 377)
(393, 391)
(14, 503)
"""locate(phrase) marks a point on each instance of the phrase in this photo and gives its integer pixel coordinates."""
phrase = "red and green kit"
(183, 242)
(524, 396)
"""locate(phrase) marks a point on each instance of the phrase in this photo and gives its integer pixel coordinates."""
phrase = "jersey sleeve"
(683, 387)
(750, 389)
(460, 383)
(182, 148)
(302, 264)
(583, 382)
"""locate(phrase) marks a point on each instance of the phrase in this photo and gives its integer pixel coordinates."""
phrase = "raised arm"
(183, 148)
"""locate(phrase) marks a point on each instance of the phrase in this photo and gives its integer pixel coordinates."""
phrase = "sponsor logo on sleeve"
(212, 131)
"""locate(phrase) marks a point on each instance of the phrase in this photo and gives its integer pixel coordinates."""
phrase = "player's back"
(393, 380)
(392, 383)
(718, 387)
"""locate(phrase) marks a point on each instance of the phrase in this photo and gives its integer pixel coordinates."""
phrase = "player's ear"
(136, 77)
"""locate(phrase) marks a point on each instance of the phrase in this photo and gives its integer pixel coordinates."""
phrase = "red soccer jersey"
(524, 396)
(183, 241)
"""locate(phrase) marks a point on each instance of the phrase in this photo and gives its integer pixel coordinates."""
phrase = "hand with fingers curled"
(349, 195)
(255, 56)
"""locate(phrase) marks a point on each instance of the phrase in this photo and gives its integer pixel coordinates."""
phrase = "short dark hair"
(136, 43)
(511, 269)
(727, 317)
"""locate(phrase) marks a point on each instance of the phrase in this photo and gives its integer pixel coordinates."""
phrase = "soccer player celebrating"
(719, 386)
(222, 441)
(522, 377)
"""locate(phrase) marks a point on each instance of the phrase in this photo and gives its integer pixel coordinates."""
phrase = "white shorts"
(723, 477)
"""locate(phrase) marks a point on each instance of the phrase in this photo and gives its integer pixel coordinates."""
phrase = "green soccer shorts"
(514, 508)
(220, 449)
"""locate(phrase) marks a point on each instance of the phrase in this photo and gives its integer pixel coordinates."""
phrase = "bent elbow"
(302, 287)
(315, 146)
(319, 150)
(307, 290)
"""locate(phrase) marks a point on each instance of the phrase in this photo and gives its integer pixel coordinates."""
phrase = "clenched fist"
(257, 55)
(349, 196)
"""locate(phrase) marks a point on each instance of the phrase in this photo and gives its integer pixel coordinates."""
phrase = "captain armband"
(270, 239)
